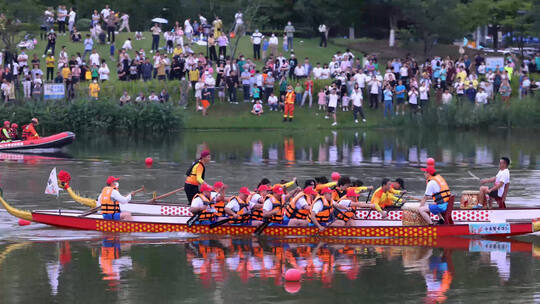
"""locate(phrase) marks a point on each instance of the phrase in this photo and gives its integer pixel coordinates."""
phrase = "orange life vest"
(191, 173)
(442, 196)
(336, 194)
(205, 215)
(243, 212)
(108, 205)
(289, 97)
(276, 205)
(291, 211)
(345, 215)
(324, 215)
(220, 207)
(29, 132)
(256, 214)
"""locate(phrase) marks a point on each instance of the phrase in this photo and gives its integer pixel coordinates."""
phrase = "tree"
(430, 21)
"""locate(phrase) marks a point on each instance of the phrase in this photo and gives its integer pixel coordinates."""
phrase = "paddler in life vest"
(202, 204)
(218, 197)
(436, 189)
(345, 209)
(256, 201)
(110, 200)
(322, 209)
(344, 182)
(238, 207)
(273, 205)
(195, 175)
(385, 196)
(29, 130)
(299, 209)
(4, 133)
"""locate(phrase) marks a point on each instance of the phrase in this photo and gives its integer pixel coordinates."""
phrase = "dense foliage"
(89, 116)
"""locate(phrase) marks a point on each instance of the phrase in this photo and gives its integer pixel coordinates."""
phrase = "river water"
(39, 264)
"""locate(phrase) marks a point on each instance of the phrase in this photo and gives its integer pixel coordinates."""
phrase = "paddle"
(219, 223)
(193, 219)
(261, 227)
(96, 209)
(153, 200)
(473, 176)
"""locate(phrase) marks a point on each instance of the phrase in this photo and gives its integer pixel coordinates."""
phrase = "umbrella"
(160, 20)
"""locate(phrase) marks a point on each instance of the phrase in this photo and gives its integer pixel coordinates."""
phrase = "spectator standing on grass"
(125, 23)
(269, 83)
(333, 100)
(256, 40)
(289, 31)
(298, 91)
(238, 24)
(446, 97)
(37, 84)
(470, 92)
(146, 70)
(104, 72)
(323, 31)
(111, 21)
(481, 97)
(156, 32)
(50, 63)
(505, 90)
(388, 97)
(374, 86)
(413, 99)
(184, 92)
(61, 14)
(223, 41)
(273, 45)
(71, 19)
(401, 92)
(246, 84)
(357, 102)
(51, 42)
(93, 89)
(232, 83)
(424, 94)
(308, 92)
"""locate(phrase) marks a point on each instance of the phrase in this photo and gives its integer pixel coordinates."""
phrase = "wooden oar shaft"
(168, 194)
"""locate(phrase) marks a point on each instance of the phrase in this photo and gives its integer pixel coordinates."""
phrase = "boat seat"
(501, 201)
(447, 215)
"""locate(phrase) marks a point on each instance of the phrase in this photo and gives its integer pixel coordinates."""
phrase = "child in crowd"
(345, 102)
(139, 36)
(257, 108)
(321, 100)
(273, 102)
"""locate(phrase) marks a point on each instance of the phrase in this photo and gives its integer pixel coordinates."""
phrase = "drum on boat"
(469, 199)
(412, 218)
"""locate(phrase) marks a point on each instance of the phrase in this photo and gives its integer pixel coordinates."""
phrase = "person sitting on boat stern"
(202, 204)
(14, 131)
(299, 209)
(29, 130)
(238, 208)
(385, 196)
(110, 200)
(345, 209)
(195, 175)
(256, 201)
(4, 134)
(436, 189)
(321, 209)
(499, 183)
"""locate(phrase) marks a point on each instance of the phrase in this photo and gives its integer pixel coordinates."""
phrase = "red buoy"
(293, 275)
(335, 176)
(292, 287)
(430, 162)
(24, 222)
(149, 161)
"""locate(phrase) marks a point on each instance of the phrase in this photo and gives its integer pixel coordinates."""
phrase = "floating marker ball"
(293, 275)
(148, 161)
(24, 222)
(292, 287)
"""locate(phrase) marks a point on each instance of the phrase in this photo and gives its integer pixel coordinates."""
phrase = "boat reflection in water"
(111, 261)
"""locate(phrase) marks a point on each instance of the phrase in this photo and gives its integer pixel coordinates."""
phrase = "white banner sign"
(54, 91)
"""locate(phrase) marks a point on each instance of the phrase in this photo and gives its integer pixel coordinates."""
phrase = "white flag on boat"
(52, 184)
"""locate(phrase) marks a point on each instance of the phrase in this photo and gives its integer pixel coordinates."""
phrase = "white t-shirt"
(104, 73)
(197, 203)
(481, 98)
(413, 97)
(94, 58)
(504, 177)
(273, 40)
(301, 203)
(254, 199)
(373, 87)
(72, 15)
(268, 206)
(357, 98)
(431, 188)
(272, 100)
(317, 72)
(105, 12)
(333, 100)
(317, 206)
(238, 18)
(234, 205)
(127, 45)
(257, 107)
(257, 38)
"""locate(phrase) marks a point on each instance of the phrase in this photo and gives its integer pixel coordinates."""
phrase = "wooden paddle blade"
(261, 228)
(216, 224)
(193, 219)
(91, 211)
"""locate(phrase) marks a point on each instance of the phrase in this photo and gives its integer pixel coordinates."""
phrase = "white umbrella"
(160, 20)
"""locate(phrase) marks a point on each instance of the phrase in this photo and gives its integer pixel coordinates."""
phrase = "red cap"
(205, 153)
(112, 179)
(6, 123)
(14, 125)
(206, 187)
(264, 188)
(352, 192)
(35, 120)
(430, 162)
(335, 176)
(277, 189)
(431, 170)
(310, 190)
(245, 190)
(218, 185)
(326, 190)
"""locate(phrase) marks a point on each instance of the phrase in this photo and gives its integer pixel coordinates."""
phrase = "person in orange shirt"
(289, 104)
(29, 131)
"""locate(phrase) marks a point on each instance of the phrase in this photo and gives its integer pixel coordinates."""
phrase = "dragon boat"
(71, 219)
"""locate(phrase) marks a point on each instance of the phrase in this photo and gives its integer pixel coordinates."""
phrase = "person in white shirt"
(71, 21)
(481, 97)
(357, 101)
(110, 201)
(299, 208)
(188, 30)
(256, 40)
(257, 108)
(299, 71)
(317, 71)
(273, 44)
(374, 86)
(333, 99)
(127, 45)
(239, 24)
(104, 72)
(202, 19)
(413, 99)
(105, 12)
(500, 182)
(202, 201)
(323, 32)
(125, 23)
(238, 206)
(446, 97)
(325, 74)
(94, 58)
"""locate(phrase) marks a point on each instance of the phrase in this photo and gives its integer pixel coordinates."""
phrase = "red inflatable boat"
(55, 141)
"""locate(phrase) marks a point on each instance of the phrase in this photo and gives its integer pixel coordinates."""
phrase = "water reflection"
(427, 270)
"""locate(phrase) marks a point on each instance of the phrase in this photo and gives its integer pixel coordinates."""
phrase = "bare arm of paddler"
(268, 209)
(375, 203)
(232, 208)
(288, 196)
(361, 189)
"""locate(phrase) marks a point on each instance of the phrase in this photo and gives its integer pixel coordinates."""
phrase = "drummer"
(499, 183)
(436, 189)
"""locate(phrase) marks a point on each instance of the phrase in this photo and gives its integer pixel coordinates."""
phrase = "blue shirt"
(388, 95)
(400, 88)
(396, 66)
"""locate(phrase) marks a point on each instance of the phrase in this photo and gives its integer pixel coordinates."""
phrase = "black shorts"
(400, 101)
(331, 109)
(494, 194)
